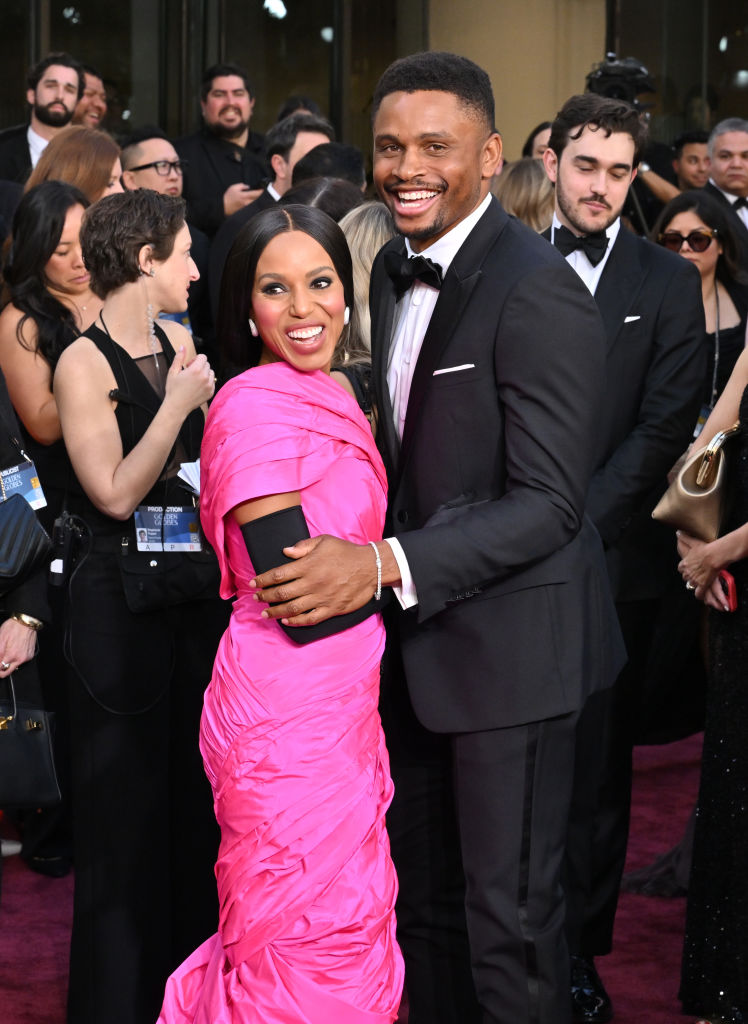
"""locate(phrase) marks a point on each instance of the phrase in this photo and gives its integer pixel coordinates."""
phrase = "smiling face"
(65, 272)
(730, 163)
(91, 108)
(434, 158)
(592, 178)
(706, 261)
(228, 107)
(172, 277)
(55, 97)
(298, 303)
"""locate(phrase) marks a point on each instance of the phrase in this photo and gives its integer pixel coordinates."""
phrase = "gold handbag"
(695, 501)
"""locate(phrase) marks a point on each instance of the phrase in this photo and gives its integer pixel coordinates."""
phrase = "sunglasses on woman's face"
(698, 241)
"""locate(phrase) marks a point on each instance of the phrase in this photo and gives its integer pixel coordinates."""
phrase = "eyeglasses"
(698, 241)
(162, 167)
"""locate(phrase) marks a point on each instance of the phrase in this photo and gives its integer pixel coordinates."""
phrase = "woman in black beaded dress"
(714, 975)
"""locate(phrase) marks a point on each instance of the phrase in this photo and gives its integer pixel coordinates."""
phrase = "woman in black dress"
(714, 977)
(131, 395)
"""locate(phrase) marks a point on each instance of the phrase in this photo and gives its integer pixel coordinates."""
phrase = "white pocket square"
(630, 319)
(455, 369)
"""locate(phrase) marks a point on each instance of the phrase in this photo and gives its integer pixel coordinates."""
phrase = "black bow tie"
(593, 245)
(405, 270)
(739, 203)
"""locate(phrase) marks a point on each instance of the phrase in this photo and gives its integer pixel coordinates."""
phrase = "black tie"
(594, 244)
(404, 271)
(739, 203)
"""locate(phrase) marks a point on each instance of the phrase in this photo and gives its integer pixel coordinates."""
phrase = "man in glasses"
(150, 161)
(650, 301)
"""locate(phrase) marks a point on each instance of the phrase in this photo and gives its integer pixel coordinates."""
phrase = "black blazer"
(514, 621)
(212, 165)
(15, 159)
(656, 358)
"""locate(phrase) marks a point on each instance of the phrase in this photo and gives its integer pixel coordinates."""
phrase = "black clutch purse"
(27, 768)
(24, 543)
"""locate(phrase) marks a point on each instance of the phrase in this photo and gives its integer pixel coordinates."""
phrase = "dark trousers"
(146, 838)
(601, 799)
(477, 828)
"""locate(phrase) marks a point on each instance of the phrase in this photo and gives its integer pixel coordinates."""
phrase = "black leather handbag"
(27, 768)
(24, 543)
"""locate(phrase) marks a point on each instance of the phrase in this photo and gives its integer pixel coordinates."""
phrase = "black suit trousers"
(477, 829)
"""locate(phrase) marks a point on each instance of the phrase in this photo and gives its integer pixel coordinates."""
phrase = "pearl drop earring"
(253, 328)
(347, 315)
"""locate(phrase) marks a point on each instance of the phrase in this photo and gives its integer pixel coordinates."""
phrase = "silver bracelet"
(378, 594)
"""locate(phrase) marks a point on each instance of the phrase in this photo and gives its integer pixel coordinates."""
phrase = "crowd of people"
(358, 607)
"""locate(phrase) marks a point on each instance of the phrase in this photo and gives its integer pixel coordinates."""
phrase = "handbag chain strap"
(5, 720)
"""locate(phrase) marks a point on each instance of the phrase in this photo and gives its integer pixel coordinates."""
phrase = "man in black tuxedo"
(488, 390)
(728, 181)
(54, 86)
(650, 301)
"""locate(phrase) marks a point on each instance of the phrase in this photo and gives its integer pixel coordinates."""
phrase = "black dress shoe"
(590, 1003)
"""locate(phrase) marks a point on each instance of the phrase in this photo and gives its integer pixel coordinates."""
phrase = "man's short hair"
(222, 71)
(730, 124)
(35, 73)
(590, 110)
(280, 139)
(132, 143)
(437, 71)
(696, 137)
(91, 70)
(331, 160)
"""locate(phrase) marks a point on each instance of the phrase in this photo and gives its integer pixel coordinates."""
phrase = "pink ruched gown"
(291, 736)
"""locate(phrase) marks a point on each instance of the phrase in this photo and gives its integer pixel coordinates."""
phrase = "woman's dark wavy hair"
(37, 228)
(240, 350)
(117, 227)
(708, 209)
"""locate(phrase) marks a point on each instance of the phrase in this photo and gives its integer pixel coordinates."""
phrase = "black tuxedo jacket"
(738, 290)
(514, 621)
(15, 159)
(656, 360)
(212, 164)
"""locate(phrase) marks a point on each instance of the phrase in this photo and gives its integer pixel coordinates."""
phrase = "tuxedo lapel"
(620, 280)
(459, 282)
(382, 320)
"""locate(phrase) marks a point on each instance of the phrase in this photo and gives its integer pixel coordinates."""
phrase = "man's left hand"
(327, 577)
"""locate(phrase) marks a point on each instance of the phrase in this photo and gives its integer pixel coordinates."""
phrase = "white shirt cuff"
(406, 592)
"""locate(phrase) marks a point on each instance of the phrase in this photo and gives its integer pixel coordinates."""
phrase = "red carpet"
(641, 975)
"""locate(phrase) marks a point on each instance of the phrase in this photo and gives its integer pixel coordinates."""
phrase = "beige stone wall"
(537, 53)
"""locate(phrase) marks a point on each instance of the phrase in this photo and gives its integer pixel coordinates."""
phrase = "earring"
(347, 315)
(151, 272)
(253, 328)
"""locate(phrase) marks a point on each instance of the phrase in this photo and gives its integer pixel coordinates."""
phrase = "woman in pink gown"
(290, 735)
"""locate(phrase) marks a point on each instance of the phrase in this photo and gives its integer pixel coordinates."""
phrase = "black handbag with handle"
(24, 543)
(27, 768)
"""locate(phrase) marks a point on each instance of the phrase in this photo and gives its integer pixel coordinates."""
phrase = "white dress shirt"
(579, 260)
(412, 320)
(37, 145)
(731, 197)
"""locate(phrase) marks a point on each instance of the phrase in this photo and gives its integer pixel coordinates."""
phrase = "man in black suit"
(54, 86)
(650, 301)
(287, 142)
(488, 390)
(224, 160)
(728, 181)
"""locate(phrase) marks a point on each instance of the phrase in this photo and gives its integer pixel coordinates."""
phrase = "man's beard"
(574, 215)
(222, 131)
(56, 118)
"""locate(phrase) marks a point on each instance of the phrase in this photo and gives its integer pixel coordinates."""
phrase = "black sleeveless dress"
(145, 834)
(715, 956)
